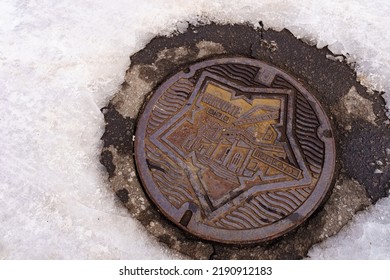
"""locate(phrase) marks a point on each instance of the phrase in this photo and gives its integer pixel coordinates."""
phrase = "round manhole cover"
(234, 150)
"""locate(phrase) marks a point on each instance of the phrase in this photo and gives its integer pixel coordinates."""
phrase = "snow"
(60, 61)
(367, 237)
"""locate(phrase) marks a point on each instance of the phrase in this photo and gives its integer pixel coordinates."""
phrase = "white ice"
(60, 61)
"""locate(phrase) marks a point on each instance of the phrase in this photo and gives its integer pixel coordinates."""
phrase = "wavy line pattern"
(170, 102)
(306, 125)
(263, 209)
(306, 131)
(239, 73)
(173, 184)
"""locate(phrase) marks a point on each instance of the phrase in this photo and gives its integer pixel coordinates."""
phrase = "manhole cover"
(234, 150)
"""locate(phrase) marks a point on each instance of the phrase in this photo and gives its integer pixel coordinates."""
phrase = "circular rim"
(251, 235)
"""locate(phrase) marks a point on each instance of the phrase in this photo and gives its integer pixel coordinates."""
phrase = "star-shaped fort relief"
(233, 142)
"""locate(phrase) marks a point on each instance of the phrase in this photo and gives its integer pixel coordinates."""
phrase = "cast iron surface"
(234, 150)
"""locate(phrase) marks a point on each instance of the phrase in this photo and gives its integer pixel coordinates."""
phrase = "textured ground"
(350, 108)
(61, 61)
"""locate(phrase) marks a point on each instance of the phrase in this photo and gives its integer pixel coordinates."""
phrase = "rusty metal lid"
(234, 150)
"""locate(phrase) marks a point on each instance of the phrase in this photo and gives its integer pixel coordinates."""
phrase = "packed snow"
(60, 61)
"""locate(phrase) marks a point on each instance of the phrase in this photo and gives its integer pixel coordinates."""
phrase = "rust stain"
(240, 147)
